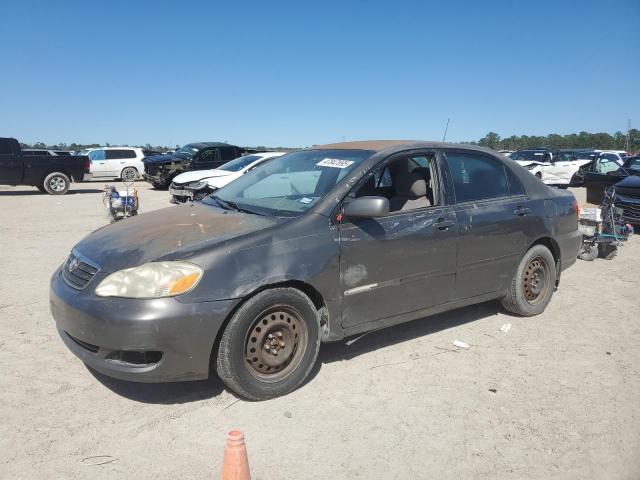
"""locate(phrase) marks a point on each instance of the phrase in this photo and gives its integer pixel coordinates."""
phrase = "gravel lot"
(558, 396)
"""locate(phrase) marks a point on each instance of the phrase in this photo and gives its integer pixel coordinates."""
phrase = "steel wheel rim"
(275, 343)
(129, 174)
(57, 184)
(535, 280)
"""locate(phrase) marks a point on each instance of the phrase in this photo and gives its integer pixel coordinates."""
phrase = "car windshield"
(186, 152)
(289, 185)
(634, 163)
(239, 163)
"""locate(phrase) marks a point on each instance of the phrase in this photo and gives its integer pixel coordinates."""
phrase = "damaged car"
(200, 183)
(159, 170)
(315, 246)
(553, 167)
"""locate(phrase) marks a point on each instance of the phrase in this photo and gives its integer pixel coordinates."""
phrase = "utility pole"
(626, 146)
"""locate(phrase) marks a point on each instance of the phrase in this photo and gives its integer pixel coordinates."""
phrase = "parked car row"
(563, 168)
(198, 184)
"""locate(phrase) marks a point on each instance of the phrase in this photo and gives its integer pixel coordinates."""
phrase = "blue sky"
(299, 73)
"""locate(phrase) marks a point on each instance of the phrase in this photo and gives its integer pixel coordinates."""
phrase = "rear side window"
(515, 187)
(120, 154)
(477, 177)
(228, 154)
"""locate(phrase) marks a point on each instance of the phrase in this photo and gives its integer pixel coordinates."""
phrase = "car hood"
(197, 175)
(159, 159)
(165, 232)
(632, 181)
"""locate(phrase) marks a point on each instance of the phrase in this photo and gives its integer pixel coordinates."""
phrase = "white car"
(552, 167)
(200, 183)
(118, 162)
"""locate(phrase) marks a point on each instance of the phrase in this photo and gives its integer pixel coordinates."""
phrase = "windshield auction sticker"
(334, 162)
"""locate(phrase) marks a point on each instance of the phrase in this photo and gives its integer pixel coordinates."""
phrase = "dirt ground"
(558, 396)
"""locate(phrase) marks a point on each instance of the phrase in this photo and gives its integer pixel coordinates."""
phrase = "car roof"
(208, 144)
(395, 145)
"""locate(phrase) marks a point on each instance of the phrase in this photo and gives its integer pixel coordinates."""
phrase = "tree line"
(598, 141)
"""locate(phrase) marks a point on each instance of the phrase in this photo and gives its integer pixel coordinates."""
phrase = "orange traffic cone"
(235, 465)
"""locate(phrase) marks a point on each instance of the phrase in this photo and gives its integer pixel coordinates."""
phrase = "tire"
(283, 319)
(56, 183)
(539, 175)
(526, 297)
(129, 174)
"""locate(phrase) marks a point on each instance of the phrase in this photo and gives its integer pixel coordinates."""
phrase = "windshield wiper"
(229, 205)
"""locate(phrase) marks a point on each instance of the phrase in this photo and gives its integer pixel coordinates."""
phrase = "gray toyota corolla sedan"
(312, 247)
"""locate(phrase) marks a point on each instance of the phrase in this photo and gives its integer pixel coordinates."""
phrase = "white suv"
(118, 162)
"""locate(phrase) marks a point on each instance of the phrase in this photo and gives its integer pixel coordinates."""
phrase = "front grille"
(77, 273)
(150, 169)
(630, 211)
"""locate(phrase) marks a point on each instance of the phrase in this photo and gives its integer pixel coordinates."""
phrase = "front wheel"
(57, 183)
(129, 174)
(533, 284)
(270, 345)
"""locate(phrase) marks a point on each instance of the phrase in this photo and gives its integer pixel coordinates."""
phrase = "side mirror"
(367, 207)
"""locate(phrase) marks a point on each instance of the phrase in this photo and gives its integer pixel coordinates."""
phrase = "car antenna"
(445, 131)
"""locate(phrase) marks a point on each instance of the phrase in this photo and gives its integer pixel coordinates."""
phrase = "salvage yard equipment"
(603, 229)
(120, 203)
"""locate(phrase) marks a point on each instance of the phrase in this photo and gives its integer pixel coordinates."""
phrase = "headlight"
(197, 185)
(151, 280)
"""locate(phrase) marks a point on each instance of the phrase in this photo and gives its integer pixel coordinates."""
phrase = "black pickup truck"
(49, 173)
(159, 170)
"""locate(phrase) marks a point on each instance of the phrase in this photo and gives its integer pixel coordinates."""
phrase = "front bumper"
(97, 330)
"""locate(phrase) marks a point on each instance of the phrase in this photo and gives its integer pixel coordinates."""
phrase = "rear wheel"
(56, 183)
(533, 284)
(270, 344)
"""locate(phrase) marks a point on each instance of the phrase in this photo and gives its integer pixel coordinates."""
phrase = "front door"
(99, 166)
(403, 262)
(605, 171)
(10, 163)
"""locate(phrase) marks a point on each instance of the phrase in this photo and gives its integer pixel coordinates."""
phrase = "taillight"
(576, 208)
(87, 165)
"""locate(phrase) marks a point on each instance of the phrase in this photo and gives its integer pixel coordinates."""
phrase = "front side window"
(476, 177)
(407, 182)
(605, 164)
(291, 184)
(96, 155)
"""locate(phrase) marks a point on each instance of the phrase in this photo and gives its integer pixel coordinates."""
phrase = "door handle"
(522, 211)
(443, 224)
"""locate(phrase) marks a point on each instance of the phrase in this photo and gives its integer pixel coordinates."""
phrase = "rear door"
(10, 162)
(491, 236)
(118, 159)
